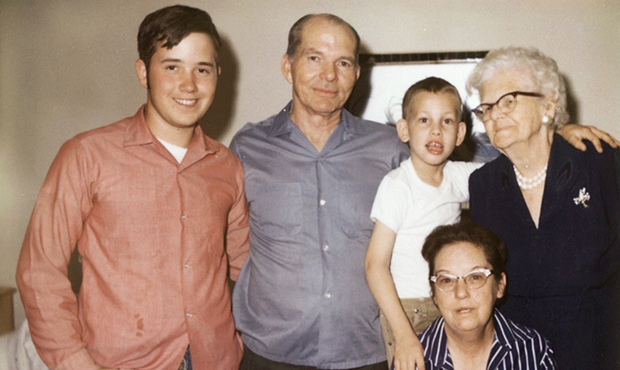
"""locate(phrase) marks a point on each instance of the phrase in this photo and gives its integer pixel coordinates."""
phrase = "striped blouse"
(515, 347)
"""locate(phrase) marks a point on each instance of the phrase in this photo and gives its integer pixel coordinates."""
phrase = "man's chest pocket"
(355, 204)
(277, 209)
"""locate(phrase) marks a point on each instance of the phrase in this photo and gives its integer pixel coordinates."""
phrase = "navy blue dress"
(563, 275)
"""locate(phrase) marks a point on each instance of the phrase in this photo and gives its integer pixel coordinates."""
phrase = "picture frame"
(384, 79)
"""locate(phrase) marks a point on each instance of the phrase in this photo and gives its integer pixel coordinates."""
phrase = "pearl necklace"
(530, 182)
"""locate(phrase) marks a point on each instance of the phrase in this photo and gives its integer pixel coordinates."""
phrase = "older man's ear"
(285, 65)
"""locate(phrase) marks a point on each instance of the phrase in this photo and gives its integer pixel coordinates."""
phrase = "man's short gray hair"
(294, 35)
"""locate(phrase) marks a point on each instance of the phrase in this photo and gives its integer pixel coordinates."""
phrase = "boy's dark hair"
(494, 250)
(433, 85)
(171, 25)
(294, 34)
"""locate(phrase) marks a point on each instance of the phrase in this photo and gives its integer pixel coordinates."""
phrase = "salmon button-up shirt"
(157, 240)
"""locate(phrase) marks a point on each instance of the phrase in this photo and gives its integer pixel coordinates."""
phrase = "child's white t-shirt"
(412, 209)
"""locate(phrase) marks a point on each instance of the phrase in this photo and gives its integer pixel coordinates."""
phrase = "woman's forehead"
(460, 257)
(507, 80)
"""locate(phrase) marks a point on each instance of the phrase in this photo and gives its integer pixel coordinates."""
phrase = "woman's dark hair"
(171, 25)
(491, 245)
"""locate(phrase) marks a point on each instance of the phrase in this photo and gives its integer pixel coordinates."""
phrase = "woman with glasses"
(467, 265)
(556, 208)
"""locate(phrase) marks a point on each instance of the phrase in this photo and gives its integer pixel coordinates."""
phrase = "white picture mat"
(390, 81)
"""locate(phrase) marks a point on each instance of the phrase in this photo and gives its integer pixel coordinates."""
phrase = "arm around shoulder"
(576, 134)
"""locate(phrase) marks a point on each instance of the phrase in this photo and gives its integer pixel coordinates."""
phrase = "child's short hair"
(432, 85)
(171, 25)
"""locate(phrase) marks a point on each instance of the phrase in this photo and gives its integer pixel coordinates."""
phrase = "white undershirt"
(178, 152)
(412, 209)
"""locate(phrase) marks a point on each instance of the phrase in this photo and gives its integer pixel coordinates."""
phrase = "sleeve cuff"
(80, 360)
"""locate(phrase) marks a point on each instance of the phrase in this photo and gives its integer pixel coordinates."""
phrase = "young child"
(424, 192)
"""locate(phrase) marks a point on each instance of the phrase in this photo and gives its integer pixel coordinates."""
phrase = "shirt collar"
(503, 332)
(437, 351)
(502, 342)
(138, 133)
(283, 124)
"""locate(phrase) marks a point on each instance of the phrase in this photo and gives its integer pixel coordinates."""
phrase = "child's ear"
(403, 130)
(460, 134)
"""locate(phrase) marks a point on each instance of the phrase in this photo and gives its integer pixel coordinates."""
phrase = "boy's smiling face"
(181, 83)
(432, 128)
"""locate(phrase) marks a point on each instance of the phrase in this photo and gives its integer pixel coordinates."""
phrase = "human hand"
(575, 134)
(408, 353)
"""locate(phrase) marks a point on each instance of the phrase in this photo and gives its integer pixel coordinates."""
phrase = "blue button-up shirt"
(515, 347)
(302, 296)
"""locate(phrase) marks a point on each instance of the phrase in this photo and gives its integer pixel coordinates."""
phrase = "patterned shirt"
(515, 347)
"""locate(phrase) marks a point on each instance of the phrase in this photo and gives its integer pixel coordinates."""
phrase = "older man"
(311, 173)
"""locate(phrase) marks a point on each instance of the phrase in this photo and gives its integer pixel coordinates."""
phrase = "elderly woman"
(467, 265)
(556, 208)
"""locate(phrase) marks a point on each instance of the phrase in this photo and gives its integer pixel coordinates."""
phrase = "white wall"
(67, 66)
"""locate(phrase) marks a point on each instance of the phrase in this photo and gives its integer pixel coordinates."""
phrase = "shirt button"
(184, 217)
(328, 295)
(188, 314)
(326, 248)
(322, 202)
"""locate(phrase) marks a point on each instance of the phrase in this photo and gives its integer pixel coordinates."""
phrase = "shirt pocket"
(355, 203)
(277, 209)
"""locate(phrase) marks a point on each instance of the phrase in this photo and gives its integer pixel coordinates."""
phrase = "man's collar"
(351, 127)
(138, 133)
(283, 124)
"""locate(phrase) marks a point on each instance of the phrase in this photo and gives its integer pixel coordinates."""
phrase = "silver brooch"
(583, 197)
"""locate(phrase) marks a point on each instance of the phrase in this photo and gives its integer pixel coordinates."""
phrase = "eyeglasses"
(506, 104)
(475, 279)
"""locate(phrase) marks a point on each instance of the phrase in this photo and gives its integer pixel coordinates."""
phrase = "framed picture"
(384, 79)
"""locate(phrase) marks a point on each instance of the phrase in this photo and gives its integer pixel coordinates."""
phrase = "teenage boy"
(424, 192)
(149, 202)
